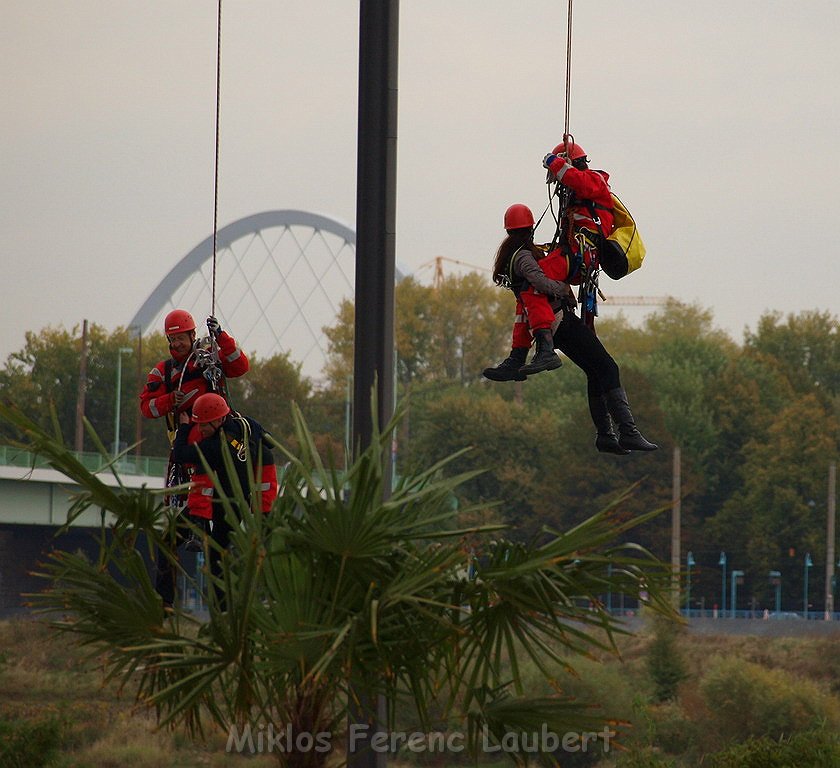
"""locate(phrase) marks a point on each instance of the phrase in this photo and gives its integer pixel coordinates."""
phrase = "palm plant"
(340, 596)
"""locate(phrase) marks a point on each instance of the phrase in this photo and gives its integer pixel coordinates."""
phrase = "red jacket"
(157, 398)
(202, 494)
(587, 185)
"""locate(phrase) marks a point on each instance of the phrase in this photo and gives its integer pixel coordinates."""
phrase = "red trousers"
(533, 309)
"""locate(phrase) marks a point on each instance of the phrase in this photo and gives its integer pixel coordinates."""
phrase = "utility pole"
(80, 396)
(829, 542)
(676, 522)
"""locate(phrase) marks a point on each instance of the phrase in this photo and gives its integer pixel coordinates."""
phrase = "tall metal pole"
(80, 396)
(808, 564)
(376, 204)
(120, 352)
(376, 198)
(117, 404)
(138, 424)
(829, 542)
(676, 510)
(736, 578)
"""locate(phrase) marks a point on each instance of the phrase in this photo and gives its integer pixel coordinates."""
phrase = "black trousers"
(166, 572)
(579, 343)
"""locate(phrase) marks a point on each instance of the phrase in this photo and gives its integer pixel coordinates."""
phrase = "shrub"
(809, 749)
(644, 758)
(29, 744)
(672, 731)
(746, 700)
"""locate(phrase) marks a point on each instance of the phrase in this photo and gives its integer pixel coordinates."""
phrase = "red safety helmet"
(518, 216)
(178, 321)
(209, 407)
(576, 151)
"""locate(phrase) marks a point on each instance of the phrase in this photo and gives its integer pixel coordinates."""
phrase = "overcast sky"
(718, 122)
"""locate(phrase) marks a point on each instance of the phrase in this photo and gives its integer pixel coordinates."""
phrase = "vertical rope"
(568, 76)
(216, 165)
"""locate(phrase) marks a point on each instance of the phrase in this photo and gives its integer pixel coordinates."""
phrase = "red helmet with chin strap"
(576, 151)
(178, 321)
(518, 216)
(209, 407)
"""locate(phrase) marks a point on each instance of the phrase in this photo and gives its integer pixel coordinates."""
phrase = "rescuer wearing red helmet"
(586, 214)
(202, 440)
(173, 384)
(516, 261)
(517, 268)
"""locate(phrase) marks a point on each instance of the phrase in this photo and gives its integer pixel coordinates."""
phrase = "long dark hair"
(516, 239)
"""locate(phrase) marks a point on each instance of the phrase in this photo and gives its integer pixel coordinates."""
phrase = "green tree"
(502, 435)
(780, 503)
(266, 391)
(666, 667)
(446, 333)
(45, 375)
(806, 346)
(43, 378)
(744, 400)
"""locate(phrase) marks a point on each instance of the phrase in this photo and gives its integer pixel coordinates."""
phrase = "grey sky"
(717, 121)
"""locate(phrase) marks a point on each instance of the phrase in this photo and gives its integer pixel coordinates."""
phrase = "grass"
(56, 712)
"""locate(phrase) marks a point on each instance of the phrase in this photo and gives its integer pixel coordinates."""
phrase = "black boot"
(629, 435)
(545, 358)
(605, 439)
(508, 369)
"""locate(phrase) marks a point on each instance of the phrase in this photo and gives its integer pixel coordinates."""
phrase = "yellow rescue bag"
(622, 251)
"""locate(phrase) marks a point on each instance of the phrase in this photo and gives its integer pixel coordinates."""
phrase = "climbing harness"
(241, 446)
(589, 271)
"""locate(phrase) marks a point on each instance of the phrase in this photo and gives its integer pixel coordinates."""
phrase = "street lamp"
(808, 564)
(689, 561)
(776, 582)
(737, 578)
(722, 564)
(834, 583)
(120, 352)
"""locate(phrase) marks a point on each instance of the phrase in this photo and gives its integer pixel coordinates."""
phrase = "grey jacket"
(526, 266)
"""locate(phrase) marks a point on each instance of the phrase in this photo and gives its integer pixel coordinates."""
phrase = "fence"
(152, 466)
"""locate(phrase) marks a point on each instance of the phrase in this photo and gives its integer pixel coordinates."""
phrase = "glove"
(213, 326)
(553, 163)
(177, 398)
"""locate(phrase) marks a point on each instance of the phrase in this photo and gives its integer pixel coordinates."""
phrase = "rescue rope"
(216, 166)
(568, 76)
(567, 140)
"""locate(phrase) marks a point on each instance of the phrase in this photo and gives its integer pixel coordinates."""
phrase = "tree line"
(756, 422)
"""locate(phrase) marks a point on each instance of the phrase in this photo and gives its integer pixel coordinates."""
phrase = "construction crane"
(607, 301)
(634, 301)
(437, 280)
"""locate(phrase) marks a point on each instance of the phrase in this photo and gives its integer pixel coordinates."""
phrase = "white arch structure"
(280, 277)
